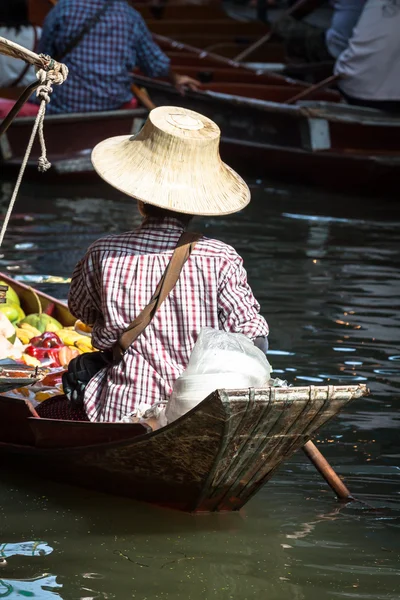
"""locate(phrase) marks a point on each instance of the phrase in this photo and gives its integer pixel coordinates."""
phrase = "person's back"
(370, 66)
(121, 273)
(15, 26)
(101, 63)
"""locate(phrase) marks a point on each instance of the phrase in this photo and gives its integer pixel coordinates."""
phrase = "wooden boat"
(70, 139)
(309, 141)
(273, 60)
(209, 28)
(214, 458)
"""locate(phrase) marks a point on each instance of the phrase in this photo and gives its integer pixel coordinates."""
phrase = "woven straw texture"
(173, 163)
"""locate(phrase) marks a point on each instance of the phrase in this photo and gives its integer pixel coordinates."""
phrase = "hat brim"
(126, 163)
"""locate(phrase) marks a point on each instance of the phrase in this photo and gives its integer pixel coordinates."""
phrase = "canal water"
(325, 269)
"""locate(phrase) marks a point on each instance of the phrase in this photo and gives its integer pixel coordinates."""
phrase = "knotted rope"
(53, 73)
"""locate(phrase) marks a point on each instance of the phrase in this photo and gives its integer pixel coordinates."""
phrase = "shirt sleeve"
(84, 300)
(238, 310)
(149, 57)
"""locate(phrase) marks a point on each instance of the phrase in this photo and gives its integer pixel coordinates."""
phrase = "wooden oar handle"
(322, 465)
(314, 88)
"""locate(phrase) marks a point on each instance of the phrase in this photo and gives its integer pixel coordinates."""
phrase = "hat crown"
(184, 123)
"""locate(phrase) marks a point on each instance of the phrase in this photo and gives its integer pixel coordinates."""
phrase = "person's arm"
(239, 311)
(181, 82)
(154, 62)
(262, 343)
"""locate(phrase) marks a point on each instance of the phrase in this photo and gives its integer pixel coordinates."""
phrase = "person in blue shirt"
(101, 63)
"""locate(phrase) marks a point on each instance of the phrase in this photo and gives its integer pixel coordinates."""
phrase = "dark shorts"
(302, 40)
(392, 106)
(59, 407)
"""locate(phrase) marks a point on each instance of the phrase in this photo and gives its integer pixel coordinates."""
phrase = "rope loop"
(51, 73)
(57, 75)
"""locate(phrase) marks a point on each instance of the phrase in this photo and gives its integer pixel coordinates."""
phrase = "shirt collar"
(166, 223)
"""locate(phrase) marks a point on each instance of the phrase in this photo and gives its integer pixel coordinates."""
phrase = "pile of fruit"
(39, 340)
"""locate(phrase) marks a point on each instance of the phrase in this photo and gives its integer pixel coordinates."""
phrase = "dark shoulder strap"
(86, 27)
(183, 250)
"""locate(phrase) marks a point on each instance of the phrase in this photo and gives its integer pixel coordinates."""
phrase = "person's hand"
(182, 82)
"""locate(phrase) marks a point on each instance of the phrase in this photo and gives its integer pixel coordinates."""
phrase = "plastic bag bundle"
(219, 360)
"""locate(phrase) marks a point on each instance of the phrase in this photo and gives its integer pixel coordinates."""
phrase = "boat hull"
(214, 458)
(309, 142)
(70, 139)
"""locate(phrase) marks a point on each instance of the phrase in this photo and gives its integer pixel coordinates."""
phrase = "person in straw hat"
(173, 169)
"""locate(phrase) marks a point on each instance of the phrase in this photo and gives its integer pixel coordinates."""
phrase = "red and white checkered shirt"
(117, 278)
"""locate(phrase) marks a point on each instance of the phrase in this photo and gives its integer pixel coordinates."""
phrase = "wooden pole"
(202, 54)
(14, 50)
(327, 472)
(298, 6)
(309, 91)
(175, 45)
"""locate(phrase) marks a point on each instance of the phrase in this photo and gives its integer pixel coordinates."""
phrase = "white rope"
(47, 78)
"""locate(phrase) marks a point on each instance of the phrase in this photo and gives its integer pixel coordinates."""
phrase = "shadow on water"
(325, 269)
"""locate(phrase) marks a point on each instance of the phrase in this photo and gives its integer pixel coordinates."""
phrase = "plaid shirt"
(117, 278)
(100, 65)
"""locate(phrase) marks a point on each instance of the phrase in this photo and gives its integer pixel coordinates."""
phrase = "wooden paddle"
(299, 6)
(318, 86)
(327, 472)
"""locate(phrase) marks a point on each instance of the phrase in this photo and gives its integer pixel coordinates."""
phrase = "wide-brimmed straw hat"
(173, 163)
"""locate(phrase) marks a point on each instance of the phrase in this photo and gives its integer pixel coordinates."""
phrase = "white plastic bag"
(218, 360)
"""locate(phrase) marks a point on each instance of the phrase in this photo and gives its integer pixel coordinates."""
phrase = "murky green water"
(326, 271)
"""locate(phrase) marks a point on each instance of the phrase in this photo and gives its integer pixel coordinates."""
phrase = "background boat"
(210, 28)
(267, 129)
(70, 139)
(309, 141)
(214, 458)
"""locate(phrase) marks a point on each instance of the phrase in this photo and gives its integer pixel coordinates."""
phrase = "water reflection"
(45, 587)
(36, 548)
(326, 271)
